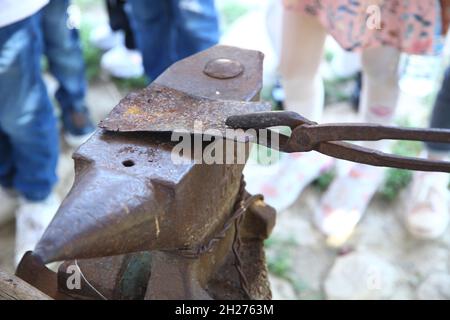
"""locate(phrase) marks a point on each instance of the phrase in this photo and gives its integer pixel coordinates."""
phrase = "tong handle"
(354, 153)
(327, 139)
(314, 134)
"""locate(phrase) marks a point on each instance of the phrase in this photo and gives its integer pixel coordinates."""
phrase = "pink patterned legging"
(302, 51)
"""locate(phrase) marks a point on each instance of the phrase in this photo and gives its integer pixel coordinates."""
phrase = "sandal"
(345, 202)
(427, 215)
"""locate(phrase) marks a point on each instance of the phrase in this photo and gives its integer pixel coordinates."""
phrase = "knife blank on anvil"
(161, 109)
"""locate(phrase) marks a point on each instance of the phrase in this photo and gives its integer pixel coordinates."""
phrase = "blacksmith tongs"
(328, 139)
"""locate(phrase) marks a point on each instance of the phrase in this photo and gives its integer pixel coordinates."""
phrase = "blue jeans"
(441, 113)
(65, 57)
(169, 30)
(28, 131)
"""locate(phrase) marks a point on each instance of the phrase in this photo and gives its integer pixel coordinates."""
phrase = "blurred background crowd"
(344, 230)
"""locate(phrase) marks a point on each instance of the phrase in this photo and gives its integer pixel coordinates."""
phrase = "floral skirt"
(412, 26)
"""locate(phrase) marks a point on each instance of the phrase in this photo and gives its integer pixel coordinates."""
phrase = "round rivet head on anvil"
(223, 68)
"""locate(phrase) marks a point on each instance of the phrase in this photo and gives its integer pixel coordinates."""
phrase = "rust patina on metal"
(129, 197)
(161, 109)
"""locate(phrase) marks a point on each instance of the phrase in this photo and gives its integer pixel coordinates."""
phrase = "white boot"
(427, 211)
(75, 141)
(32, 218)
(103, 38)
(123, 63)
(8, 203)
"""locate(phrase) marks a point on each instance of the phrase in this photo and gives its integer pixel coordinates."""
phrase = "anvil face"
(141, 155)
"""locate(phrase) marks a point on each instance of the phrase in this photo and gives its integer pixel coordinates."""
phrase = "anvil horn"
(106, 213)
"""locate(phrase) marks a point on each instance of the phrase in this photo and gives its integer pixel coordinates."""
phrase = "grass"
(91, 54)
(279, 259)
(86, 4)
(127, 85)
(397, 180)
(230, 11)
(324, 180)
(281, 264)
(338, 90)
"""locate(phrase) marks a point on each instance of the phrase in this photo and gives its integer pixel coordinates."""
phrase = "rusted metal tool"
(203, 233)
(327, 139)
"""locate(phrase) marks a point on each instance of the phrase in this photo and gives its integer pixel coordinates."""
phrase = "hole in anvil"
(128, 163)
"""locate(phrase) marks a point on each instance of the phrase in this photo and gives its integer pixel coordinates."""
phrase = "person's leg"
(440, 117)
(347, 198)
(63, 50)
(380, 87)
(107, 35)
(118, 20)
(196, 25)
(27, 119)
(302, 52)
(153, 32)
(6, 163)
(123, 60)
(26, 114)
(427, 214)
(8, 199)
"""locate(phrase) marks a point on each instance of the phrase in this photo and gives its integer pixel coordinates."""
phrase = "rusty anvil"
(132, 214)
